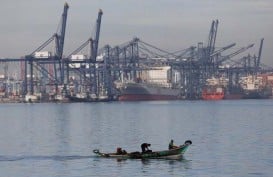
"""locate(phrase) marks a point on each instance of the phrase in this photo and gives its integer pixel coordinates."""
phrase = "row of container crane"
(97, 71)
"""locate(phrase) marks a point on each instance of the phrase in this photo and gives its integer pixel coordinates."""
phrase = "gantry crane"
(87, 65)
(56, 58)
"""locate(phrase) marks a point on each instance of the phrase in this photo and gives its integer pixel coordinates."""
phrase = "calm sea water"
(230, 138)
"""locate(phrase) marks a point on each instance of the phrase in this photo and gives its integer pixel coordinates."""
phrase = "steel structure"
(89, 66)
(98, 72)
(55, 59)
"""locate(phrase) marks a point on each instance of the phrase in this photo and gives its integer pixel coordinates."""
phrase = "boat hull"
(166, 154)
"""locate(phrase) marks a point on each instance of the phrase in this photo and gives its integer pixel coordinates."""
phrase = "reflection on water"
(58, 139)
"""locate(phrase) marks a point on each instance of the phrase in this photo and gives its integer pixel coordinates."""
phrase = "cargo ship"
(153, 84)
(133, 91)
(254, 88)
(214, 89)
(233, 93)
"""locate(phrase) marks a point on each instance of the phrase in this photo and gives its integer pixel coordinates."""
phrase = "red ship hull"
(213, 96)
(213, 93)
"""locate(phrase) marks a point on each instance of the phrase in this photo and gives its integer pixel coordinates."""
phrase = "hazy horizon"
(168, 24)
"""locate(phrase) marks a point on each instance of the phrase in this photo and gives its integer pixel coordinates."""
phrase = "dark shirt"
(144, 147)
(171, 145)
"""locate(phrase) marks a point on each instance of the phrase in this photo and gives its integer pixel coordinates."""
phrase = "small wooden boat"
(174, 153)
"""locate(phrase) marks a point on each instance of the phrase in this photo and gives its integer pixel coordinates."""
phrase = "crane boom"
(215, 35)
(260, 53)
(235, 53)
(43, 45)
(62, 35)
(212, 38)
(96, 41)
(222, 49)
(80, 48)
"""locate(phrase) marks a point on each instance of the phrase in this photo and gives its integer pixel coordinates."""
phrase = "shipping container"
(75, 65)
(78, 57)
(2, 76)
(43, 54)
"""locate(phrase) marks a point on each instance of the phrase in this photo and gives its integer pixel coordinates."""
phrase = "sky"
(168, 24)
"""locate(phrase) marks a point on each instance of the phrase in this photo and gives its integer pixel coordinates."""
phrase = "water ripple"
(41, 157)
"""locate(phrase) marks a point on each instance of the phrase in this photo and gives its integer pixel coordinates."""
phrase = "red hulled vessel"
(213, 93)
(214, 89)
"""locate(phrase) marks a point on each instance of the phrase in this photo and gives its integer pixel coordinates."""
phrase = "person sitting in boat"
(171, 145)
(120, 151)
(145, 147)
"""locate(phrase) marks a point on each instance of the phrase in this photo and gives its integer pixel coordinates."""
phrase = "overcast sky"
(167, 24)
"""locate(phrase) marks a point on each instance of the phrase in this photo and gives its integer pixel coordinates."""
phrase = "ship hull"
(235, 93)
(213, 93)
(139, 97)
(234, 96)
(77, 99)
(145, 92)
(213, 96)
(256, 95)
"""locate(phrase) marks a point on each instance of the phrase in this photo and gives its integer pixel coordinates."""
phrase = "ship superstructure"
(254, 87)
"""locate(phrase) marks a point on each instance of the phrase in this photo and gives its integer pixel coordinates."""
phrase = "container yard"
(134, 71)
